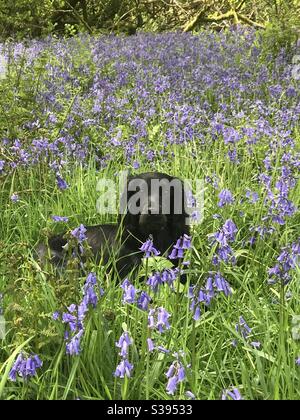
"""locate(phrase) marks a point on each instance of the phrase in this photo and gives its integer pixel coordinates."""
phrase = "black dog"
(152, 205)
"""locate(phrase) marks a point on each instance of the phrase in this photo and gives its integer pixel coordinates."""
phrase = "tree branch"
(251, 22)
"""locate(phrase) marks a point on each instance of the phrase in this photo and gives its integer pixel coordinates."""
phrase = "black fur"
(124, 239)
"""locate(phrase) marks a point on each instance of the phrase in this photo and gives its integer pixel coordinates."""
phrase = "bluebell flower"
(230, 230)
(172, 385)
(56, 316)
(73, 346)
(287, 261)
(163, 349)
(75, 316)
(72, 308)
(25, 368)
(16, 368)
(15, 198)
(244, 330)
(162, 320)
(190, 395)
(223, 238)
(136, 165)
(143, 301)
(154, 281)
(231, 395)
(79, 233)
(158, 319)
(124, 343)
(124, 368)
(225, 198)
(222, 285)
(129, 295)
(171, 370)
(252, 196)
(149, 249)
(215, 283)
(175, 375)
(61, 183)
(182, 244)
(60, 219)
(150, 345)
(71, 320)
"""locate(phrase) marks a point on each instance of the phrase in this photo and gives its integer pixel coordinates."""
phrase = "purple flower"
(222, 285)
(223, 237)
(149, 249)
(89, 293)
(231, 395)
(171, 371)
(230, 230)
(252, 196)
(163, 349)
(197, 313)
(158, 318)
(225, 197)
(75, 316)
(215, 283)
(162, 320)
(16, 368)
(129, 292)
(172, 385)
(79, 233)
(136, 165)
(190, 395)
(124, 368)
(15, 198)
(73, 346)
(154, 281)
(150, 345)
(169, 275)
(72, 308)
(90, 296)
(298, 361)
(61, 183)
(60, 219)
(25, 368)
(175, 374)
(55, 316)
(287, 261)
(182, 244)
(123, 344)
(244, 330)
(71, 320)
(143, 301)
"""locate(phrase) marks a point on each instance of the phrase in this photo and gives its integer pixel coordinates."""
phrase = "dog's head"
(154, 202)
